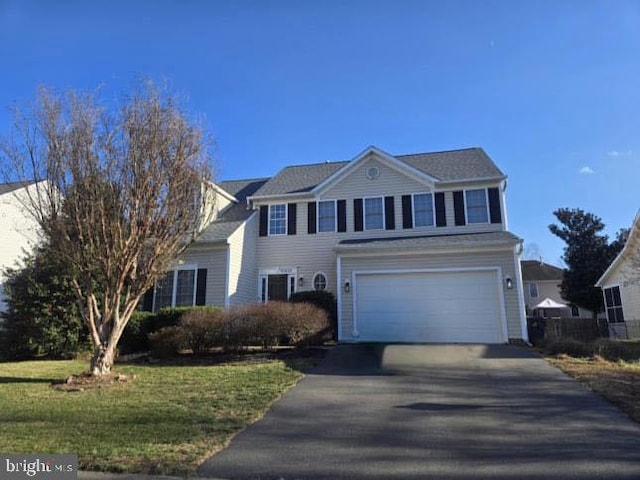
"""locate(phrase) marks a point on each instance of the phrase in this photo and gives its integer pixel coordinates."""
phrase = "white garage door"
(435, 307)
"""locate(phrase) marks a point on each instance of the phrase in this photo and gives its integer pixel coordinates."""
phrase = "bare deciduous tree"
(122, 194)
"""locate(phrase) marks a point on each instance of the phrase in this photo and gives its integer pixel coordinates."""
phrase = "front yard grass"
(617, 381)
(167, 421)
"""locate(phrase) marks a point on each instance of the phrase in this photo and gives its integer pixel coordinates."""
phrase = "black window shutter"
(342, 215)
(458, 207)
(389, 214)
(311, 217)
(494, 205)
(358, 221)
(264, 220)
(441, 214)
(407, 212)
(147, 300)
(201, 287)
(291, 218)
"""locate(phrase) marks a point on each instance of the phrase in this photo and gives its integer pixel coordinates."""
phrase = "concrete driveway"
(435, 411)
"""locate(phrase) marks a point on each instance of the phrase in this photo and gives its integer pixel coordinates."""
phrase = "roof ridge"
(436, 152)
(334, 162)
(244, 180)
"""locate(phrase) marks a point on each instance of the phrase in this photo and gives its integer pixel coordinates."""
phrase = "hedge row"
(265, 325)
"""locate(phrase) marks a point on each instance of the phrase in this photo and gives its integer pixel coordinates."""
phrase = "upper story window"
(373, 214)
(477, 206)
(327, 216)
(533, 290)
(278, 219)
(613, 303)
(423, 210)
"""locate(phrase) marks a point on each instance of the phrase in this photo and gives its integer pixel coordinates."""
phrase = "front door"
(277, 288)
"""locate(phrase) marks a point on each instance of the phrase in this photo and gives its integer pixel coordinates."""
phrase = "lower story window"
(176, 288)
(320, 281)
(613, 304)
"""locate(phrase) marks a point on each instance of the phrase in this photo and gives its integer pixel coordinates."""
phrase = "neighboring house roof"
(633, 242)
(12, 186)
(448, 166)
(535, 270)
(431, 241)
(234, 215)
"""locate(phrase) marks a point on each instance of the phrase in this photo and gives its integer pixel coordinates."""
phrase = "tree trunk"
(102, 360)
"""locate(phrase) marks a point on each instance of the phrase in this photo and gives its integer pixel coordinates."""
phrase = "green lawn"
(166, 422)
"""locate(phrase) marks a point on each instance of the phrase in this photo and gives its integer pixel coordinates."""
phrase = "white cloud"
(586, 170)
(618, 153)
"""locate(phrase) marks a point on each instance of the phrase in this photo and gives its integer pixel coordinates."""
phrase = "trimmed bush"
(135, 337)
(203, 329)
(167, 342)
(322, 299)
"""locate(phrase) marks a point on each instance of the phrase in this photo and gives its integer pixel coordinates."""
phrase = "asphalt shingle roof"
(235, 215)
(465, 164)
(537, 270)
(11, 186)
(430, 241)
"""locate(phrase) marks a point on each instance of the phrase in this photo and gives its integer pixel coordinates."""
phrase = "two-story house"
(415, 247)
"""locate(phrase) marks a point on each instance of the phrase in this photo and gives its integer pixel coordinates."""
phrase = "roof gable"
(390, 161)
(631, 249)
(535, 270)
(429, 168)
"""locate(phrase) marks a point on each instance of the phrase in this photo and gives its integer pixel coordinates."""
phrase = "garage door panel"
(429, 307)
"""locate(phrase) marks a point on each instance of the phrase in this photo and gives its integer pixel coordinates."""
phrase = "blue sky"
(550, 89)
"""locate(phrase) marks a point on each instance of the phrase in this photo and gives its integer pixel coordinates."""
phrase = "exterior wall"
(19, 232)
(243, 273)
(435, 260)
(214, 259)
(313, 253)
(550, 289)
(628, 280)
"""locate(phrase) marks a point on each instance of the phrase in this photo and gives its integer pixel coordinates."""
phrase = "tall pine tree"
(587, 255)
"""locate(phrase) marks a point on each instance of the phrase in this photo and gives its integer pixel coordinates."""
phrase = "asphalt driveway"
(436, 411)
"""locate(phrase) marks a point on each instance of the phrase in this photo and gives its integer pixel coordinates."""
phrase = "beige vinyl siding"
(502, 259)
(214, 259)
(389, 182)
(243, 273)
(623, 276)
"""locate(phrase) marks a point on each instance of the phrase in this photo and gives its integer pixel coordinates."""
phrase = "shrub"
(617, 349)
(304, 323)
(42, 318)
(569, 346)
(203, 329)
(167, 342)
(321, 299)
(135, 337)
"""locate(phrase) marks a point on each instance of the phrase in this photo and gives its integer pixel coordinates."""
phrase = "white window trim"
(335, 216)
(433, 210)
(529, 285)
(364, 214)
(286, 220)
(486, 205)
(174, 284)
(263, 277)
(326, 282)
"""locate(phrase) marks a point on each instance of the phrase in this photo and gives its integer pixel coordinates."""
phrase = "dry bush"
(203, 329)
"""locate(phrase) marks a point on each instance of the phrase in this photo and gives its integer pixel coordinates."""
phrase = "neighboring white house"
(541, 282)
(18, 232)
(620, 285)
(415, 247)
